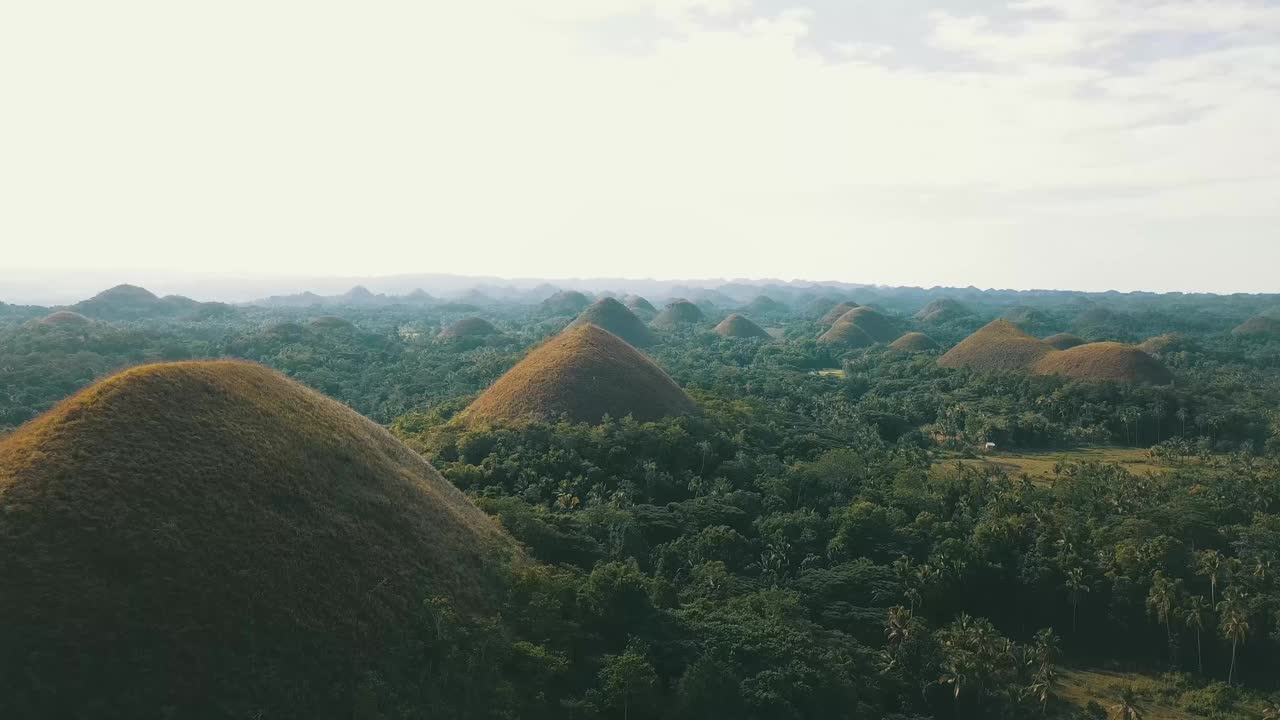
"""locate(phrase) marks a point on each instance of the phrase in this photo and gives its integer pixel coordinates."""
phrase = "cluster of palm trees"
(1170, 604)
(975, 660)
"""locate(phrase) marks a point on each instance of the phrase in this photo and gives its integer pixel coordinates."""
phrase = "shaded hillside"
(1024, 315)
(942, 310)
(583, 374)
(469, 327)
(914, 342)
(846, 335)
(565, 302)
(213, 538)
(65, 319)
(740, 326)
(1258, 327)
(331, 322)
(130, 302)
(1167, 343)
(1064, 341)
(642, 308)
(679, 312)
(763, 305)
(613, 316)
(878, 327)
(836, 313)
(1105, 361)
(1000, 346)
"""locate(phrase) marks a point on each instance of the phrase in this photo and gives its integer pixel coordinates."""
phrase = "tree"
(1044, 681)
(626, 679)
(1209, 563)
(1234, 624)
(897, 629)
(1076, 584)
(1194, 614)
(1161, 601)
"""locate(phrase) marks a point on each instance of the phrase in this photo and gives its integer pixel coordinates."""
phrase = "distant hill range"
(1093, 315)
(130, 302)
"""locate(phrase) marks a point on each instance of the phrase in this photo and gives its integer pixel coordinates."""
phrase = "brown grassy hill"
(613, 316)
(914, 342)
(1260, 327)
(565, 302)
(740, 326)
(998, 347)
(216, 539)
(878, 327)
(942, 310)
(1167, 343)
(1105, 361)
(846, 335)
(330, 322)
(65, 318)
(1064, 341)
(469, 327)
(583, 373)
(837, 312)
(678, 312)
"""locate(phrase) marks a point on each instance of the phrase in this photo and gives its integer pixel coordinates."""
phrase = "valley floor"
(1039, 464)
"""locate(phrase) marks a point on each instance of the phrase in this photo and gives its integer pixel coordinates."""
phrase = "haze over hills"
(54, 288)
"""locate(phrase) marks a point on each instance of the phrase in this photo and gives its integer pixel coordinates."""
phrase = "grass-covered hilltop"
(187, 533)
(640, 500)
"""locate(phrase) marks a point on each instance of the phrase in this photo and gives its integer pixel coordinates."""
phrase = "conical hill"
(740, 326)
(1000, 346)
(613, 316)
(583, 374)
(216, 540)
(679, 312)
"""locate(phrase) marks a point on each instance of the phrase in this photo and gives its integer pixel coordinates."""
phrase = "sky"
(1073, 144)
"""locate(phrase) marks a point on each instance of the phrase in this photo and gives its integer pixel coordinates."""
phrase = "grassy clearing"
(1170, 697)
(1039, 464)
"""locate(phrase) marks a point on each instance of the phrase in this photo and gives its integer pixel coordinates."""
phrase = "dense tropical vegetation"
(809, 546)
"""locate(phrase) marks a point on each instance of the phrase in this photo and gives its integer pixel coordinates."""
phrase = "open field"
(1039, 464)
(1158, 699)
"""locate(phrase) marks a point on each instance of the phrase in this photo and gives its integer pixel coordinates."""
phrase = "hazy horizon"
(1071, 144)
(65, 287)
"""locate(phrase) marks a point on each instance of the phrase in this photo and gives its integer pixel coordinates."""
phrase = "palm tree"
(1161, 600)
(1043, 684)
(1048, 646)
(1183, 415)
(1209, 564)
(1234, 624)
(1045, 679)
(897, 628)
(1127, 708)
(1193, 616)
(1075, 583)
